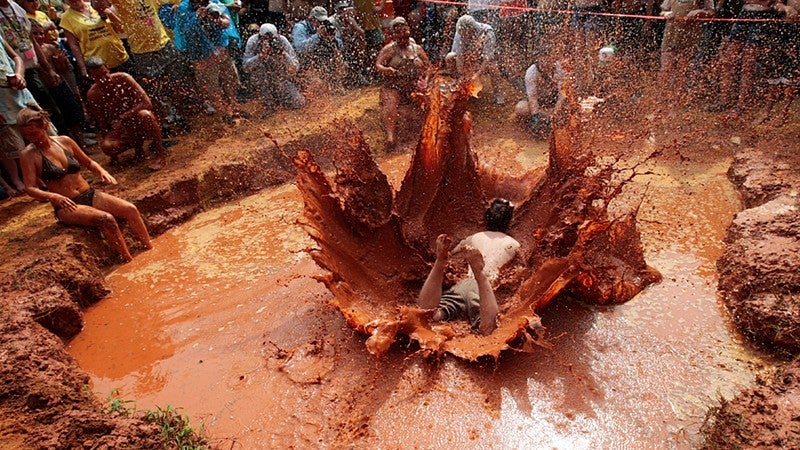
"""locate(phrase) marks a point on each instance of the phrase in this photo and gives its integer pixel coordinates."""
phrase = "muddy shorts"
(462, 302)
(11, 143)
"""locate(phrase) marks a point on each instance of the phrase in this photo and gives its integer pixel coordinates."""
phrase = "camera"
(329, 26)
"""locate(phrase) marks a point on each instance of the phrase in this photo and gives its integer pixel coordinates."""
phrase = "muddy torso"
(409, 66)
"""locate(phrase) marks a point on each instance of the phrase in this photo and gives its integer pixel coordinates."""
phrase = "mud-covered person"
(472, 298)
(124, 114)
(404, 66)
(58, 161)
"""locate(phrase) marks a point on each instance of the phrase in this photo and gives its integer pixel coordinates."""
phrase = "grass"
(177, 432)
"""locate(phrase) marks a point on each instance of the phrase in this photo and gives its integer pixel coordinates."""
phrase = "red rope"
(593, 13)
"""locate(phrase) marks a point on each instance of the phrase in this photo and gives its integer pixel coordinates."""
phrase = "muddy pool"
(224, 320)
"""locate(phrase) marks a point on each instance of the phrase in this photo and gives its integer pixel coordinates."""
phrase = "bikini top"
(52, 171)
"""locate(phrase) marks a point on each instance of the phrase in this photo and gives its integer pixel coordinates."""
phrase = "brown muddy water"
(224, 320)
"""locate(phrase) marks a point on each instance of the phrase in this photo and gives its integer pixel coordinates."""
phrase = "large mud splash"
(377, 246)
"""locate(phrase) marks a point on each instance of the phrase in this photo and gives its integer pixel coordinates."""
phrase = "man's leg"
(390, 99)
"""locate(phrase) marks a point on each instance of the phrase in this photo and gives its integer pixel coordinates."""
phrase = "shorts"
(755, 33)
(85, 198)
(167, 62)
(462, 302)
(11, 142)
(587, 22)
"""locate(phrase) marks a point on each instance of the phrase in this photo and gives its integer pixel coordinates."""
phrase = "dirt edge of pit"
(47, 279)
(761, 289)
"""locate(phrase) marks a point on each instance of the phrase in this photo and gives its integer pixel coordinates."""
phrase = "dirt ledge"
(50, 272)
(761, 289)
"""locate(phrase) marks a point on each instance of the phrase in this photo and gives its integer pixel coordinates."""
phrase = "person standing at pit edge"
(157, 64)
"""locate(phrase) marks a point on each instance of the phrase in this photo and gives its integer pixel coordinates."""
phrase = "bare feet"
(159, 164)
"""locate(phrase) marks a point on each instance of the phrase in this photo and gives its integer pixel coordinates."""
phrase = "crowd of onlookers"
(126, 74)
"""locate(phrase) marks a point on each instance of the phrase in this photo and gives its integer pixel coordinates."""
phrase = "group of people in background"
(123, 74)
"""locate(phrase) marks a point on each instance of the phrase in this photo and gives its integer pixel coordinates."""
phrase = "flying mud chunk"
(377, 247)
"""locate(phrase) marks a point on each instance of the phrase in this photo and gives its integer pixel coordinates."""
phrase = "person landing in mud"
(58, 161)
(404, 67)
(472, 298)
(124, 113)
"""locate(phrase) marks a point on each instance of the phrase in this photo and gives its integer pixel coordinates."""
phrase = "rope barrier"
(604, 14)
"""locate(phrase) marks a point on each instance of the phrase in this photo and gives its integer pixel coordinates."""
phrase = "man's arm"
(142, 99)
(302, 39)
(19, 67)
(250, 58)
(431, 293)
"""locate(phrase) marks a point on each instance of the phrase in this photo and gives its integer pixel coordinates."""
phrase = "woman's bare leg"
(93, 217)
(118, 207)
(390, 99)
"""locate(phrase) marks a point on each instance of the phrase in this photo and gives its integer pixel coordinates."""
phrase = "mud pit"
(224, 319)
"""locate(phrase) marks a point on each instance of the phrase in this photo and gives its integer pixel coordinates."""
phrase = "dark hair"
(498, 215)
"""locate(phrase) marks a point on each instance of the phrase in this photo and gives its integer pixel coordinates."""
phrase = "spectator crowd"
(129, 74)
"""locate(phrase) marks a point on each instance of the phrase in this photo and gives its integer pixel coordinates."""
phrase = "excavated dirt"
(50, 272)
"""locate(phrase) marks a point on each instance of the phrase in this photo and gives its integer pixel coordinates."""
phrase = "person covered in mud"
(58, 161)
(404, 67)
(472, 298)
(124, 114)
(474, 45)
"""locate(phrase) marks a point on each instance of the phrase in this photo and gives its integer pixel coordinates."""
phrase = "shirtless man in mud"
(486, 252)
(124, 113)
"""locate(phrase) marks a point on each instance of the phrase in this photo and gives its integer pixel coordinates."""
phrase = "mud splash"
(375, 245)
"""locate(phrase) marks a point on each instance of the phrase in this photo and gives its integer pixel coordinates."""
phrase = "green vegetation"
(177, 432)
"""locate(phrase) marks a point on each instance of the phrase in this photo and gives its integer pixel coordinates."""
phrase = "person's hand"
(322, 31)
(443, 243)
(106, 177)
(668, 15)
(61, 202)
(18, 83)
(388, 71)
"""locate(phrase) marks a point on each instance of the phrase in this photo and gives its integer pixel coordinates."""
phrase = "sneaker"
(89, 141)
(210, 110)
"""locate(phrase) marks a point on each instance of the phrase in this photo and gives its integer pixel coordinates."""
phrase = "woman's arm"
(75, 47)
(31, 172)
(84, 160)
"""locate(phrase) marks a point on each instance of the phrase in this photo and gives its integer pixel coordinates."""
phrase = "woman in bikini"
(57, 161)
(402, 64)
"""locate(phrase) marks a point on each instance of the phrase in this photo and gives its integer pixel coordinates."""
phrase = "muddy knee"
(105, 220)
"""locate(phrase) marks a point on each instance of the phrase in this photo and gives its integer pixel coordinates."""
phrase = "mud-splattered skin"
(377, 255)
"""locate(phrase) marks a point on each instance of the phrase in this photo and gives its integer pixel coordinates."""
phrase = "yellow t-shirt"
(43, 19)
(142, 26)
(95, 36)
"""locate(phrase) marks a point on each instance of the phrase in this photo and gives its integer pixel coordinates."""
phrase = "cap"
(466, 22)
(340, 5)
(397, 21)
(319, 13)
(215, 8)
(606, 54)
(268, 28)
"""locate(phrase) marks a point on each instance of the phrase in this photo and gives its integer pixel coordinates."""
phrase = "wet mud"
(377, 246)
(265, 362)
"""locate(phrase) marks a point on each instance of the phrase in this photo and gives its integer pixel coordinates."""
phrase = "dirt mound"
(758, 274)
(767, 417)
